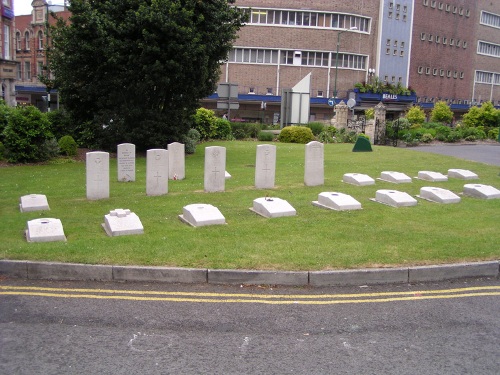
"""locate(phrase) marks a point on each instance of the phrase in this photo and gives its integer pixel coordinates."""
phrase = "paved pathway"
(483, 153)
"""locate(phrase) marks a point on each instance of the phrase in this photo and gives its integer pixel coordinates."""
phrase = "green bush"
(296, 134)
(5, 112)
(189, 145)
(68, 146)
(60, 123)
(49, 149)
(194, 135)
(253, 130)
(316, 127)
(325, 137)
(265, 136)
(493, 134)
(242, 130)
(344, 136)
(205, 123)
(222, 129)
(427, 138)
(2, 151)
(472, 134)
(25, 134)
(453, 136)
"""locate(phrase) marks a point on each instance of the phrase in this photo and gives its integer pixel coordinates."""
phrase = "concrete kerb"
(84, 272)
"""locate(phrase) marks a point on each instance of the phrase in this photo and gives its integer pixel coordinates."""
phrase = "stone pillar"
(370, 129)
(341, 114)
(380, 112)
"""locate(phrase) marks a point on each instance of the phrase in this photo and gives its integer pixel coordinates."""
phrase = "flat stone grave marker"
(45, 230)
(438, 195)
(272, 207)
(481, 191)
(156, 172)
(314, 166)
(358, 179)
(462, 174)
(97, 168)
(227, 175)
(176, 161)
(215, 169)
(337, 201)
(125, 156)
(394, 198)
(33, 202)
(199, 215)
(395, 177)
(432, 176)
(265, 166)
(121, 222)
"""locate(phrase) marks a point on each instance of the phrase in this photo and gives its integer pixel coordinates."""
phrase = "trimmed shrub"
(265, 136)
(325, 137)
(427, 138)
(316, 127)
(453, 136)
(205, 123)
(222, 129)
(194, 135)
(68, 146)
(49, 149)
(493, 134)
(296, 134)
(189, 145)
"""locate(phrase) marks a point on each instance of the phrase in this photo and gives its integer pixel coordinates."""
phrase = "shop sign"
(389, 97)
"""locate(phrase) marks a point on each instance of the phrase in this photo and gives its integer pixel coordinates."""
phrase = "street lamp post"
(337, 59)
(371, 72)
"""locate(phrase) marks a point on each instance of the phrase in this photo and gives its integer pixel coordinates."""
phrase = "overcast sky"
(24, 6)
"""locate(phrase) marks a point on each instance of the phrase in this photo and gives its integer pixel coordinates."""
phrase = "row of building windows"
(292, 57)
(398, 7)
(396, 16)
(490, 49)
(490, 19)
(261, 16)
(442, 39)
(487, 77)
(447, 7)
(440, 72)
(26, 74)
(26, 39)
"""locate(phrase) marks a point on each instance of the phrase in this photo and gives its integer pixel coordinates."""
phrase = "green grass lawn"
(315, 239)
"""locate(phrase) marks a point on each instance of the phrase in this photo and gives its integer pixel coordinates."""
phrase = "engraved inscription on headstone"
(126, 162)
(215, 167)
(265, 166)
(97, 168)
(156, 172)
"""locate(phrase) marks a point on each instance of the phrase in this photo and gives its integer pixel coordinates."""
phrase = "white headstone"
(358, 179)
(272, 207)
(481, 191)
(215, 169)
(33, 202)
(438, 195)
(337, 201)
(395, 177)
(432, 176)
(176, 161)
(121, 222)
(156, 171)
(97, 165)
(199, 215)
(462, 174)
(265, 166)
(45, 230)
(125, 155)
(314, 167)
(395, 198)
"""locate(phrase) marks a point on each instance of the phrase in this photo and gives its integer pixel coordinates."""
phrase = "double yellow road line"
(270, 299)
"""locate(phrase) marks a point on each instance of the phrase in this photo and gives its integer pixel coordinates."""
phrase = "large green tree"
(134, 70)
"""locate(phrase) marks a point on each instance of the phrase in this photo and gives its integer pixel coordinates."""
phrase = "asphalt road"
(483, 153)
(131, 328)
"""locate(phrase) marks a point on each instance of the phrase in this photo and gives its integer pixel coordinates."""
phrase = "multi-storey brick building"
(7, 57)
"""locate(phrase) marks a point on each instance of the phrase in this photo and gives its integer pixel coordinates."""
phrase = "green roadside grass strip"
(315, 239)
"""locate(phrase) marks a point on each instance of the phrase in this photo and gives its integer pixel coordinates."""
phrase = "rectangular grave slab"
(438, 195)
(358, 179)
(45, 230)
(199, 215)
(120, 222)
(395, 177)
(462, 174)
(314, 167)
(432, 176)
(215, 169)
(272, 207)
(33, 202)
(176, 161)
(125, 155)
(395, 198)
(337, 201)
(265, 166)
(156, 172)
(481, 191)
(97, 168)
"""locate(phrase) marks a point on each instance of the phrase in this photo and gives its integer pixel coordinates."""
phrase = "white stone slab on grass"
(265, 166)
(337, 201)
(97, 171)
(358, 179)
(33, 202)
(314, 167)
(215, 169)
(395, 177)
(462, 174)
(176, 161)
(156, 172)
(395, 198)
(438, 195)
(125, 159)
(272, 207)
(200, 214)
(121, 222)
(432, 176)
(481, 191)
(227, 175)
(45, 230)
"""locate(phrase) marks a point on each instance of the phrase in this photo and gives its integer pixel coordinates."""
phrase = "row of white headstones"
(162, 165)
